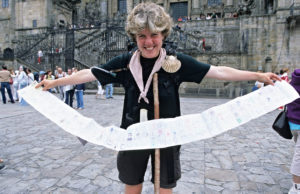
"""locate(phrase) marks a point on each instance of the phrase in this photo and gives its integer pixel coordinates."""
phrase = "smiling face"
(149, 43)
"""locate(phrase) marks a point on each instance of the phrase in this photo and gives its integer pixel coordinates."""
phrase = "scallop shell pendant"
(171, 64)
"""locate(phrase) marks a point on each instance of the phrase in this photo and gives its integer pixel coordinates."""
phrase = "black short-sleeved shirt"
(168, 84)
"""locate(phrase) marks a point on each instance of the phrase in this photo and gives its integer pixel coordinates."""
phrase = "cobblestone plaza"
(42, 158)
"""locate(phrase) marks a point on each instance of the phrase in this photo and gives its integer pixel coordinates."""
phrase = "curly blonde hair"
(150, 16)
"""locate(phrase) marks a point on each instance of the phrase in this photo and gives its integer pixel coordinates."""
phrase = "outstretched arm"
(82, 76)
(231, 74)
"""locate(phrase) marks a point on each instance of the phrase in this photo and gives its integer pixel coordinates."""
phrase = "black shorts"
(132, 166)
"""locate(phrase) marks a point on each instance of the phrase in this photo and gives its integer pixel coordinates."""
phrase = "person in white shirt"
(61, 89)
(69, 91)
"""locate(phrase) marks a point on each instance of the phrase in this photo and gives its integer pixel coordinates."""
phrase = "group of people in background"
(66, 92)
(12, 81)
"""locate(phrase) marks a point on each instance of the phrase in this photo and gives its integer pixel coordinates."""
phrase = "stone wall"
(27, 11)
(267, 43)
(6, 26)
(4, 35)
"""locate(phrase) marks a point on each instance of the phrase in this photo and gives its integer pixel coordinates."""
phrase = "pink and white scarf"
(137, 72)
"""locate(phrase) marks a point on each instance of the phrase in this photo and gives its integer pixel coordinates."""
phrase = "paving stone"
(250, 157)
(261, 179)
(221, 175)
(227, 191)
(215, 188)
(58, 172)
(62, 182)
(58, 153)
(113, 174)
(102, 181)
(18, 187)
(188, 188)
(6, 182)
(78, 183)
(64, 191)
(248, 186)
(213, 182)
(91, 171)
(193, 177)
(46, 183)
(35, 150)
(198, 165)
(225, 162)
(89, 189)
(213, 165)
(233, 186)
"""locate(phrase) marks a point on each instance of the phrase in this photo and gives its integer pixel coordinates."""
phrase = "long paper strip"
(162, 132)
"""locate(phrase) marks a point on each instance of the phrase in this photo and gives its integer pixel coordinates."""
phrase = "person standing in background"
(79, 88)
(4, 79)
(61, 89)
(16, 86)
(293, 115)
(69, 91)
(30, 76)
(11, 82)
(109, 90)
(100, 91)
(285, 75)
(40, 55)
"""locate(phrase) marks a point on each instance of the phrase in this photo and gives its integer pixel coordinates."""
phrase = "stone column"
(189, 7)
(195, 4)
(229, 2)
(130, 5)
(114, 6)
(109, 9)
(103, 8)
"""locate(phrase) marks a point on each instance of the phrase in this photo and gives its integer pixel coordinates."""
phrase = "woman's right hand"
(46, 84)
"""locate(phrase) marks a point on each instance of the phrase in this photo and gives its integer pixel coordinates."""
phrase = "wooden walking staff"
(157, 151)
(143, 117)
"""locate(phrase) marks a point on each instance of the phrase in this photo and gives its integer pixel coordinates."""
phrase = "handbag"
(281, 125)
(11, 81)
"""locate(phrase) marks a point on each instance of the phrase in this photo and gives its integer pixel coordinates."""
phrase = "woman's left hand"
(268, 78)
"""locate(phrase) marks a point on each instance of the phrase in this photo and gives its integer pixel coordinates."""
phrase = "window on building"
(8, 54)
(269, 5)
(5, 3)
(34, 23)
(122, 7)
(179, 10)
(214, 2)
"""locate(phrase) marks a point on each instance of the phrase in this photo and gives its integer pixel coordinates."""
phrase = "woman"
(99, 91)
(69, 90)
(79, 88)
(22, 78)
(11, 82)
(30, 76)
(284, 75)
(149, 25)
(16, 85)
(293, 114)
(23, 82)
(49, 76)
